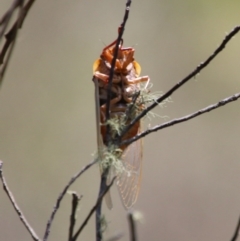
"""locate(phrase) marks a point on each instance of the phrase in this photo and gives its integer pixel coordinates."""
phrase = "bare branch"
(111, 73)
(105, 173)
(132, 227)
(75, 201)
(11, 36)
(103, 186)
(235, 235)
(7, 16)
(16, 207)
(99, 200)
(183, 119)
(18, 23)
(198, 69)
(62, 194)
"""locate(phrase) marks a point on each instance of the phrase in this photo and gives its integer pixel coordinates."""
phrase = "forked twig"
(16, 207)
(11, 36)
(198, 69)
(75, 201)
(183, 119)
(7, 16)
(62, 194)
(99, 200)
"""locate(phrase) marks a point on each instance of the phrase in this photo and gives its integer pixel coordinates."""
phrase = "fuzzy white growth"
(111, 159)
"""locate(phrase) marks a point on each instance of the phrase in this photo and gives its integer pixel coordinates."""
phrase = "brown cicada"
(125, 104)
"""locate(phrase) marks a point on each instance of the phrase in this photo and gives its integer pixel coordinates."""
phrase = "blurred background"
(191, 172)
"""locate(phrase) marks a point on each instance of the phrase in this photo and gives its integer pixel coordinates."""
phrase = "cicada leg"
(129, 90)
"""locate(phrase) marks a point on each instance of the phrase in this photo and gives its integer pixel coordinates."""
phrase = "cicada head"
(125, 62)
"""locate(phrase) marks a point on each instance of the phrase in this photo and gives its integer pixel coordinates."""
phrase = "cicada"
(125, 105)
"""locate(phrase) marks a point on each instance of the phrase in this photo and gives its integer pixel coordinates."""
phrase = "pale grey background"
(190, 187)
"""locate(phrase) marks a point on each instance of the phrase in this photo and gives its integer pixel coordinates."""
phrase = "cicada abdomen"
(125, 105)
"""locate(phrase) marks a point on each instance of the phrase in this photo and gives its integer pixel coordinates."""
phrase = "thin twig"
(7, 16)
(236, 232)
(99, 200)
(18, 23)
(62, 194)
(75, 201)
(198, 69)
(111, 73)
(183, 119)
(11, 37)
(105, 173)
(132, 227)
(102, 188)
(16, 207)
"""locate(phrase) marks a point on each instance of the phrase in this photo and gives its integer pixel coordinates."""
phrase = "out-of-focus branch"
(75, 201)
(16, 207)
(236, 232)
(7, 16)
(99, 200)
(11, 36)
(198, 69)
(184, 118)
(132, 227)
(62, 194)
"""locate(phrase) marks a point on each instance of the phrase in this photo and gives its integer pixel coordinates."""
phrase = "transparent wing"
(129, 180)
(100, 144)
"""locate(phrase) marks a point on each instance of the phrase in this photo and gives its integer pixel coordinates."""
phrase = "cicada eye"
(137, 67)
(96, 65)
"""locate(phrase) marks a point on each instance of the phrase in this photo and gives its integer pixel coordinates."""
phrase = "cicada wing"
(100, 144)
(98, 118)
(108, 198)
(129, 180)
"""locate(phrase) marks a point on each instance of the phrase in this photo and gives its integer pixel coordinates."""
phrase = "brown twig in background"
(236, 232)
(227, 38)
(18, 23)
(11, 36)
(7, 16)
(75, 201)
(60, 197)
(184, 118)
(132, 227)
(99, 200)
(16, 207)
